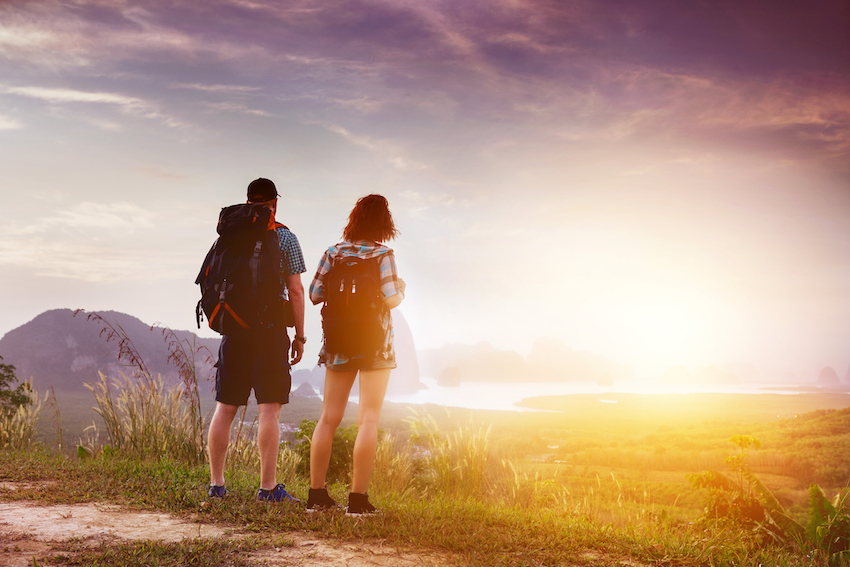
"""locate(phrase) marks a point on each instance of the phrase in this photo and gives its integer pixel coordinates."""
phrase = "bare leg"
(217, 440)
(373, 388)
(337, 388)
(268, 439)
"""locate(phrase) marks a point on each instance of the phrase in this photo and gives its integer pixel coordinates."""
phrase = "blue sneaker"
(276, 494)
(217, 491)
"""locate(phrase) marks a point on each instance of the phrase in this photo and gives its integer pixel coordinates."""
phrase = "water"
(505, 395)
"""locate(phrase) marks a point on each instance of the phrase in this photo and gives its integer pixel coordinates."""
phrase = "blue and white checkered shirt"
(389, 287)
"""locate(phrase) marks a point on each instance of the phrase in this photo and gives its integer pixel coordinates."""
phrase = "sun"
(669, 332)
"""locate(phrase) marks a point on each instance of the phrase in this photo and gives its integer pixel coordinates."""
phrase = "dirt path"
(28, 529)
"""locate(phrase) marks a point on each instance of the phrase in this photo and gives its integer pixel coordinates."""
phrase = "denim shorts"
(332, 362)
(255, 360)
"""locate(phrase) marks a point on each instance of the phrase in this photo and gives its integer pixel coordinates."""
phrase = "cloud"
(364, 104)
(69, 95)
(111, 37)
(127, 104)
(235, 107)
(125, 217)
(89, 262)
(162, 174)
(229, 89)
(384, 149)
(43, 35)
(9, 123)
(93, 242)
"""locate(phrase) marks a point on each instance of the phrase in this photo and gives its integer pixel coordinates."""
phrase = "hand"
(297, 352)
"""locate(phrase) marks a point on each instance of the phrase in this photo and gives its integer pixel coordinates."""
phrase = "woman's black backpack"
(240, 277)
(353, 311)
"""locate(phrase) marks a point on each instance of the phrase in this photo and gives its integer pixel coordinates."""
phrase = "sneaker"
(318, 500)
(216, 491)
(276, 494)
(359, 505)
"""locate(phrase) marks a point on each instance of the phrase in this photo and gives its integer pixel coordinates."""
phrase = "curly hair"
(370, 219)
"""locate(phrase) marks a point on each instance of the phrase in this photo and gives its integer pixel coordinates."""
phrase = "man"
(259, 360)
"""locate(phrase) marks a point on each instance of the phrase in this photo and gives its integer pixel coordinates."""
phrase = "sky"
(659, 182)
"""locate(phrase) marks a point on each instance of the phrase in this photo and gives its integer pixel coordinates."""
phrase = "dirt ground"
(28, 529)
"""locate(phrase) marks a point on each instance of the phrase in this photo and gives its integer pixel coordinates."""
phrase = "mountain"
(551, 359)
(62, 350)
(405, 378)
(455, 363)
(828, 377)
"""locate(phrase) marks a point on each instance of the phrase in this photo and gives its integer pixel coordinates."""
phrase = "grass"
(150, 553)
(547, 489)
(472, 531)
(18, 425)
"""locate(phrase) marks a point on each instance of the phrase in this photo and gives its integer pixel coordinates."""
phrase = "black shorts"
(257, 360)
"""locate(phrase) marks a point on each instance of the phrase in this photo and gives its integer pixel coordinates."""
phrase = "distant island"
(60, 350)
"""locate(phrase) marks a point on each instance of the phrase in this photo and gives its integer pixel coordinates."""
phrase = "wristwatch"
(303, 340)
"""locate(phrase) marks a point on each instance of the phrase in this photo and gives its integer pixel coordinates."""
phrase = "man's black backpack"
(354, 305)
(240, 277)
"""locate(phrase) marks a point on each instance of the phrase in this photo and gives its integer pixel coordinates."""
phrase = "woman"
(369, 224)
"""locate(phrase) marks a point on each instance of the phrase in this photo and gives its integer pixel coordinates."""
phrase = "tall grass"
(395, 467)
(18, 427)
(143, 419)
(181, 354)
(463, 463)
(447, 489)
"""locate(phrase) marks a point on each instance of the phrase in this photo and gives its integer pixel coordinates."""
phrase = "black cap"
(261, 190)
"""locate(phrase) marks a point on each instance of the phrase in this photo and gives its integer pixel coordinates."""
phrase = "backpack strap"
(254, 264)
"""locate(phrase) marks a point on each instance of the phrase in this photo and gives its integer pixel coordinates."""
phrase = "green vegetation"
(147, 553)
(463, 485)
(19, 410)
(475, 532)
(749, 504)
(143, 419)
(12, 399)
(602, 484)
(342, 451)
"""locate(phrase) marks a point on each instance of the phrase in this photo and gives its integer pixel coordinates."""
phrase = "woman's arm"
(392, 286)
(317, 287)
(394, 301)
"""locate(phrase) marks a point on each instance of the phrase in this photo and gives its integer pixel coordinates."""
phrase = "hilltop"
(64, 350)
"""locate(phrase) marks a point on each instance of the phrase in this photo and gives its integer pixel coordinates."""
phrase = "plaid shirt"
(292, 261)
(389, 286)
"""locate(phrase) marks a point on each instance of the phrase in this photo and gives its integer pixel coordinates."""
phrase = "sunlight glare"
(668, 333)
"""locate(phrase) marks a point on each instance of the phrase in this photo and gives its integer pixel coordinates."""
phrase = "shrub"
(11, 400)
(146, 420)
(342, 451)
(18, 423)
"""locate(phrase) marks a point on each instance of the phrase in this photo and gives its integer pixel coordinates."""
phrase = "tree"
(11, 400)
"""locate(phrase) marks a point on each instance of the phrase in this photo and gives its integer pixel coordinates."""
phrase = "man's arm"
(296, 298)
